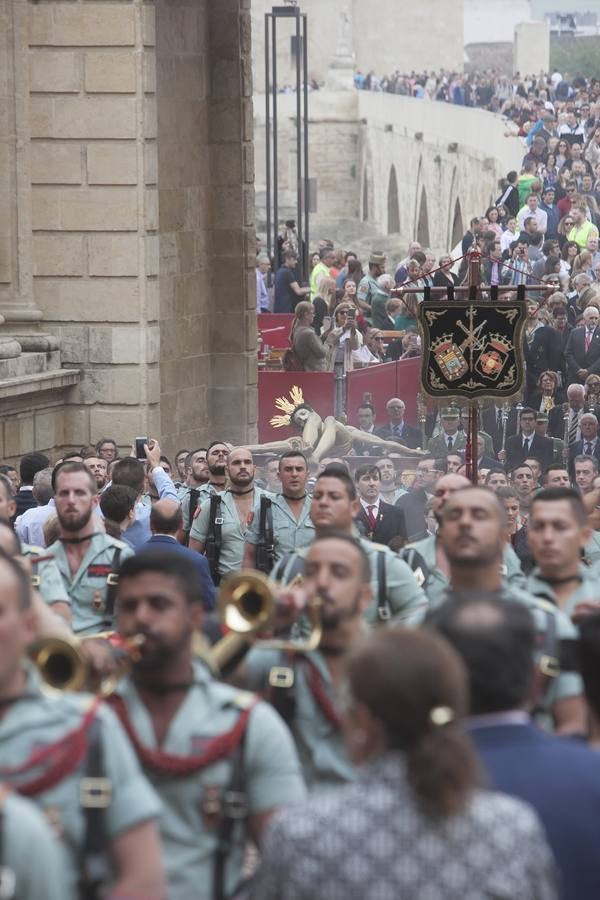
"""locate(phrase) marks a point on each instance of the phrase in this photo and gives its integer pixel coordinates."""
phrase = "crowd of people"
(440, 737)
(410, 706)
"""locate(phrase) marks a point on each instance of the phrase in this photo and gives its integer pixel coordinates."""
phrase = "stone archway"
(457, 225)
(423, 221)
(393, 206)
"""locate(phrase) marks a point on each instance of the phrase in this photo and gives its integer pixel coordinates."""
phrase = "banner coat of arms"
(472, 348)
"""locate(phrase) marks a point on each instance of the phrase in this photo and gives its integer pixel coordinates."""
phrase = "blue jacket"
(166, 542)
(560, 778)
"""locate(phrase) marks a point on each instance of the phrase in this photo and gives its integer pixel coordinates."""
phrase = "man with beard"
(188, 493)
(221, 760)
(472, 532)
(396, 596)
(180, 465)
(302, 687)
(99, 469)
(290, 513)
(236, 508)
(87, 558)
(216, 459)
(68, 754)
(389, 490)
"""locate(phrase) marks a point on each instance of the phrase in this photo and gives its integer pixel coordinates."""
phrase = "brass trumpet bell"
(63, 666)
(246, 605)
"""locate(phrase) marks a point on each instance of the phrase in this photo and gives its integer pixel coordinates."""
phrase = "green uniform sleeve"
(32, 852)
(273, 774)
(199, 529)
(514, 573)
(51, 586)
(408, 601)
(133, 799)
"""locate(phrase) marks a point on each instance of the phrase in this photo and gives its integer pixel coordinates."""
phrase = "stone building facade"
(126, 222)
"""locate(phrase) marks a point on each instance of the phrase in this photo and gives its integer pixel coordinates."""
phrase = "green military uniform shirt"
(290, 534)
(587, 591)
(45, 577)
(233, 532)
(404, 599)
(437, 445)
(436, 584)
(87, 589)
(40, 718)
(592, 550)
(272, 778)
(323, 756)
(567, 684)
(31, 853)
(367, 290)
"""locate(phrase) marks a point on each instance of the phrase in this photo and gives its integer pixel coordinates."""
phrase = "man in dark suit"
(376, 520)
(589, 445)
(528, 443)
(560, 778)
(165, 521)
(413, 503)
(397, 429)
(583, 347)
(30, 465)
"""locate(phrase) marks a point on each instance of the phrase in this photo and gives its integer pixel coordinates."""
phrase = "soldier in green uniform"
(87, 558)
(396, 595)
(303, 686)
(69, 755)
(221, 526)
(25, 835)
(368, 288)
(221, 760)
(188, 492)
(428, 560)
(292, 527)
(558, 533)
(449, 439)
(472, 533)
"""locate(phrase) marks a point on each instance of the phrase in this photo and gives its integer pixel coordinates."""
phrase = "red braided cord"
(317, 688)
(217, 748)
(63, 758)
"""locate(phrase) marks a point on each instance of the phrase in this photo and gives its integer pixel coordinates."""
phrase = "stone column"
(16, 284)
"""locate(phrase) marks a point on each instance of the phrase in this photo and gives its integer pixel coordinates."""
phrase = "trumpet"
(246, 605)
(63, 666)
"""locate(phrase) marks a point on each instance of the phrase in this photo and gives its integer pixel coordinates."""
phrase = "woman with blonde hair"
(307, 353)
(341, 338)
(324, 302)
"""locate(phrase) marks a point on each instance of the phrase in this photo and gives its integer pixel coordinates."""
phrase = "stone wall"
(95, 212)
(153, 311)
(206, 221)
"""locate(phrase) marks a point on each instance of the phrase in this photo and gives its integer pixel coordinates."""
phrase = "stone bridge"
(408, 168)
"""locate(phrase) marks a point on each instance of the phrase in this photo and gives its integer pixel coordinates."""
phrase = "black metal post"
(305, 253)
(268, 133)
(299, 223)
(275, 159)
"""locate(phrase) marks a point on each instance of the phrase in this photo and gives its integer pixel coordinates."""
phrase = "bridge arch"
(393, 205)
(457, 225)
(423, 220)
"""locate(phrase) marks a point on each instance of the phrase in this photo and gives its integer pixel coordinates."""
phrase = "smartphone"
(140, 453)
(351, 314)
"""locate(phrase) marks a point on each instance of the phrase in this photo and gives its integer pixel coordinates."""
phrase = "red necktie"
(588, 339)
(371, 518)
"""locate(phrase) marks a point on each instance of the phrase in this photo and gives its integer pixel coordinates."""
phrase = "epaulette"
(33, 550)
(244, 700)
(379, 546)
(546, 605)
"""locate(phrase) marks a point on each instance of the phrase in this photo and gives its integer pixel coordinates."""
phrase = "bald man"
(428, 557)
(165, 521)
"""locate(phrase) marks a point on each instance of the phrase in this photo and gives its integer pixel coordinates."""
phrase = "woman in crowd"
(341, 338)
(414, 823)
(444, 277)
(493, 218)
(407, 316)
(563, 154)
(324, 302)
(307, 348)
(582, 263)
(570, 249)
(547, 394)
